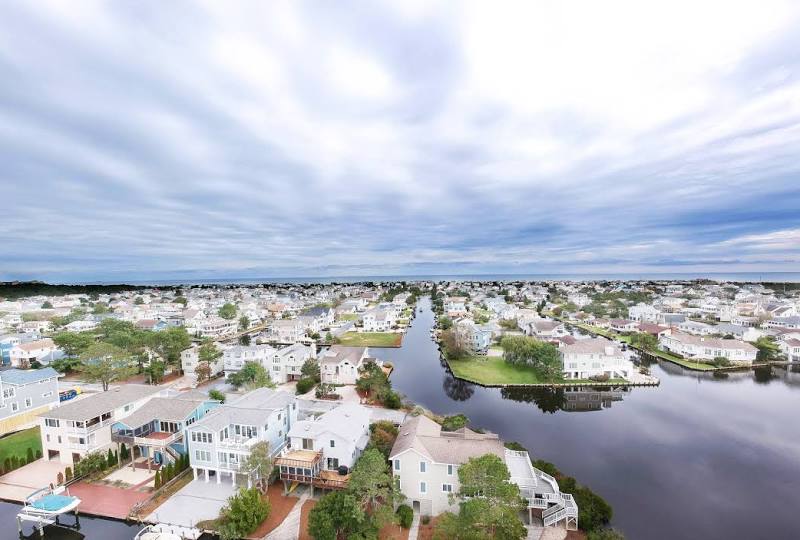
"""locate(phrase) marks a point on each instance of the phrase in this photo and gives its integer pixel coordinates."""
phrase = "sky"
(170, 140)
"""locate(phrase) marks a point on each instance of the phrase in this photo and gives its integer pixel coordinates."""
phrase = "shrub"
(455, 422)
(123, 452)
(157, 481)
(406, 515)
(7, 464)
(605, 534)
(216, 395)
(59, 479)
(38, 454)
(603, 377)
(91, 463)
(30, 454)
(391, 400)
(304, 385)
(721, 361)
(68, 473)
(110, 458)
(426, 520)
(242, 514)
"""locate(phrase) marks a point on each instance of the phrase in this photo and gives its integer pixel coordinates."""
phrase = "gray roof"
(425, 436)
(340, 353)
(103, 402)
(27, 376)
(172, 409)
(253, 408)
(349, 421)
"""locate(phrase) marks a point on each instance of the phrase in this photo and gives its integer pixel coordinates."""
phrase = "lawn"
(494, 370)
(18, 443)
(371, 339)
(348, 317)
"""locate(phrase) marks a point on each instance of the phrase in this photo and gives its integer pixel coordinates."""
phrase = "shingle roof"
(349, 421)
(591, 346)
(422, 434)
(172, 409)
(100, 403)
(253, 408)
(339, 353)
(27, 376)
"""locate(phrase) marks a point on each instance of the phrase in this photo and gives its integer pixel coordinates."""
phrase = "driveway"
(18, 484)
(197, 501)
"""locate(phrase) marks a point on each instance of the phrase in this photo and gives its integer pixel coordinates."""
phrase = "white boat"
(43, 507)
(167, 532)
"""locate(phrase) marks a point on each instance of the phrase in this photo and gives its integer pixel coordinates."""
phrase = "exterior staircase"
(564, 510)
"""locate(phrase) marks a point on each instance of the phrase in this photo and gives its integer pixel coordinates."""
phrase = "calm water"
(90, 528)
(697, 457)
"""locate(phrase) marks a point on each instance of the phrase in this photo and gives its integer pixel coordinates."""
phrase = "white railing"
(237, 442)
(553, 515)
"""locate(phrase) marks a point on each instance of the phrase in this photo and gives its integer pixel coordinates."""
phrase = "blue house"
(156, 433)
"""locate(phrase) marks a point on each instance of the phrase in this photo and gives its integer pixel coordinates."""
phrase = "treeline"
(14, 290)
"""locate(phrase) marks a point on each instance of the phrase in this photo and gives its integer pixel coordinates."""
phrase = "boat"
(42, 507)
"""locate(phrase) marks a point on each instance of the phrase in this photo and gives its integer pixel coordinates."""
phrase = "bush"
(30, 454)
(406, 515)
(304, 385)
(391, 400)
(38, 454)
(426, 520)
(96, 461)
(721, 361)
(59, 479)
(157, 480)
(216, 395)
(454, 423)
(603, 377)
(605, 534)
(243, 513)
(68, 473)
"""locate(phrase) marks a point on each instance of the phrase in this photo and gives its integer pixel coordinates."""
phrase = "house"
(705, 349)
(379, 320)
(784, 322)
(190, 359)
(579, 299)
(653, 329)
(156, 431)
(643, 313)
(216, 327)
(340, 365)
(82, 426)
(595, 357)
(791, 349)
(472, 337)
(425, 461)
(286, 363)
(235, 357)
(23, 354)
(743, 333)
(24, 394)
(9, 341)
(221, 441)
(35, 327)
(546, 329)
(401, 300)
(319, 448)
(455, 307)
(81, 326)
(323, 316)
(623, 325)
(287, 331)
(697, 328)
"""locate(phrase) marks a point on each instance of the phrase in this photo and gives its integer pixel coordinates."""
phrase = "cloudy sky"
(144, 140)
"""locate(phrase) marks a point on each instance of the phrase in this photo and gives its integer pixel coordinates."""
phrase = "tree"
(252, 375)
(259, 465)
(644, 341)
(244, 322)
(206, 355)
(105, 363)
(243, 513)
(181, 300)
(383, 434)
(157, 481)
(768, 349)
(310, 370)
(455, 422)
(66, 364)
(169, 343)
(445, 323)
(334, 516)
(453, 346)
(526, 351)
(490, 503)
(47, 305)
(73, 343)
(155, 371)
(216, 395)
(227, 311)
(371, 481)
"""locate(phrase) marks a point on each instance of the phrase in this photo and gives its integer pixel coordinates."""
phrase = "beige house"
(426, 459)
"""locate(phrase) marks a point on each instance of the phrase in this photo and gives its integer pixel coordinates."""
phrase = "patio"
(198, 501)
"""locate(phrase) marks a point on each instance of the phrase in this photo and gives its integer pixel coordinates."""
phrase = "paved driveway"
(18, 484)
(197, 501)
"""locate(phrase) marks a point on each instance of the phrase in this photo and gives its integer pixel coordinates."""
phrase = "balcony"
(156, 438)
(238, 443)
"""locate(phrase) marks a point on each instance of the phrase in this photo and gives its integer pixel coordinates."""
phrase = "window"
(423, 487)
(14, 407)
(447, 488)
(51, 422)
(333, 463)
(200, 436)
(333, 443)
(450, 470)
(47, 437)
(47, 394)
(28, 402)
(128, 407)
(397, 464)
(9, 392)
(276, 368)
(202, 455)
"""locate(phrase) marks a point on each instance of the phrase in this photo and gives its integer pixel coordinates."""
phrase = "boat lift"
(42, 507)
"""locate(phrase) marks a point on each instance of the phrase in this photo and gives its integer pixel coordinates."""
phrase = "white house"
(594, 357)
(337, 438)
(791, 348)
(473, 337)
(697, 328)
(22, 354)
(707, 348)
(221, 441)
(285, 364)
(216, 327)
(235, 357)
(579, 299)
(82, 426)
(190, 359)
(643, 313)
(340, 365)
(287, 331)
(378, 320)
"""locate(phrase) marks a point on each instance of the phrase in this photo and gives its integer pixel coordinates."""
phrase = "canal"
(696, 457)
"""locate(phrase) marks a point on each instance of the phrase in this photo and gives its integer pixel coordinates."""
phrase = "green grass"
(371, 339)
(18, 443)
(348, 317)
(494, 370)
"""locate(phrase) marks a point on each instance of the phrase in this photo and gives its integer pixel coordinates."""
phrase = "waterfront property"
(190, 359)
(425, 460)
(24, 394)
(340, 364)
(285, 363)
(474, 338)
(157, 430)
(706, 349)
(322, 451)
(221, 441)
(77, 428)
(595, 357)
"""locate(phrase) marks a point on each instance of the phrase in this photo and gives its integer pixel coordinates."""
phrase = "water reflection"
(456, 389)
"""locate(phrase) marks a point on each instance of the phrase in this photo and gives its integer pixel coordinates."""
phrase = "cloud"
(303, 139)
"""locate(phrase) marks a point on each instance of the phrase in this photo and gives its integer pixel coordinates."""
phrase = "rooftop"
(103, 402)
